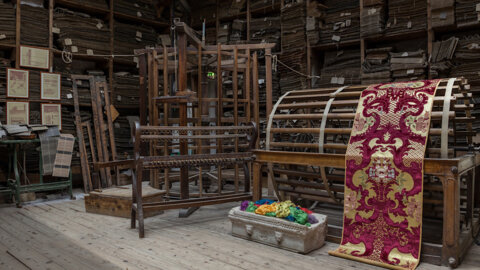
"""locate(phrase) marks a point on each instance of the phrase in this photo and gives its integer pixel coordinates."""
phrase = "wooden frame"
(9, 113)
(24, 92)
(34, 57)
(50, 86)
(44, 114)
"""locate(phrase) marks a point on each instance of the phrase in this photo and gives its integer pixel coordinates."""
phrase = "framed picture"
(34, 57)
(17, 83)
(52, 114)
(50, 88)
(17, 113)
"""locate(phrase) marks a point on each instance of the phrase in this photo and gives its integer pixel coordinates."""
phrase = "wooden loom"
(302, 166)
(198, 100)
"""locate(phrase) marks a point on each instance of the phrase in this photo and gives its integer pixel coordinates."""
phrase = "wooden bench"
(233, 146)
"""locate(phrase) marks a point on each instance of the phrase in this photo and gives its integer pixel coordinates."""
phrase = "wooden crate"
(117, 201)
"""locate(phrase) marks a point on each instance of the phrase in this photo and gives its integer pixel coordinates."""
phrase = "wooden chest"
(278, 232)
(118, 201)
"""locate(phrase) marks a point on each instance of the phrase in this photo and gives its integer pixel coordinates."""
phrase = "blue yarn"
(264, 201)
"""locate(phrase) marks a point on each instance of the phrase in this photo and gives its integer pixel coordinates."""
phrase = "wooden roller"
(295, 124)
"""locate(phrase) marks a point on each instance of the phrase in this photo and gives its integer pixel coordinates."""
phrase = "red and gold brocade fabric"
(382, 218)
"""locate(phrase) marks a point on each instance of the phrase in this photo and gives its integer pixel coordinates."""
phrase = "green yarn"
(300, 216)
(251, 207)
(270, 214)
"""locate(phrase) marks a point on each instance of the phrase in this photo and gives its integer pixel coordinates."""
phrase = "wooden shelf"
(82, 7)
(94, 58)
(334, 45)
(153, 23)
(7, 46)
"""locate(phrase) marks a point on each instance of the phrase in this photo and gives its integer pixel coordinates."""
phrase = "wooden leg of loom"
(451, 217)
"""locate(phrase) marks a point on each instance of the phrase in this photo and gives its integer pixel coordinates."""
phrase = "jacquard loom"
(307, 136)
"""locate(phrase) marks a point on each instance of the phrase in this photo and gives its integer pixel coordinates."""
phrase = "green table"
(15, 187)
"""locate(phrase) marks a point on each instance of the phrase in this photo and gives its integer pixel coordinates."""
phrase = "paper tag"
(74, 49)
(336, 38)
(443, 16)
(139, 14)
(69, 96)
(79, 82)
(89, 51)
(139, 34)
(477, 7)
(372, 11)
(334, 80)
(68, 42)
(410, 71)
(136, 5)
(225, 26)
(348, 23)
(388, 25)
(119, 98)
(342, 14)
(348, 13)
(3, 36)
(341, 80)
(55, 30)
(99, 25)
(135, 59)
(405, 54)
(409, 24)
(116, 124)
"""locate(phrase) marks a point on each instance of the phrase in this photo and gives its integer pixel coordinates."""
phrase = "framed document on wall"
(17, 83)
(50, 88)
(52, 114)
(34, 57)
(17, 113)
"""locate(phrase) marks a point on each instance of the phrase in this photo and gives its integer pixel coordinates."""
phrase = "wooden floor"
(60, 235)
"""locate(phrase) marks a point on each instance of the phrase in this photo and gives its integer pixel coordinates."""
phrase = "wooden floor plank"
(202, 241)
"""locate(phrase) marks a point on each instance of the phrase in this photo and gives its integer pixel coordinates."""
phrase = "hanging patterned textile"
(382, 219)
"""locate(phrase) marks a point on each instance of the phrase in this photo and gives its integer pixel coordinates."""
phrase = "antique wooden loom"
(299, 165)
(199, 98)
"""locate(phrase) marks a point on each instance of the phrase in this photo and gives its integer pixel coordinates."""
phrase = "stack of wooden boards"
(373, 18)
(441, 57)
(340, 67)
(467, 12)
(266, 30)
(293, 18)
(443, 13)
(126, 88)
(4, 64)
(376, 67)
(408, 66)
(81, 33)
(34, 25)
(94, 3)
(7, 21)
(406, 16)
(342, 21)
(139, 8)
(315, 18)
(238, 33)
(129, 37)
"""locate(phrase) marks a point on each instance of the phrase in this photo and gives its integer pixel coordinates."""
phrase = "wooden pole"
(182, 87)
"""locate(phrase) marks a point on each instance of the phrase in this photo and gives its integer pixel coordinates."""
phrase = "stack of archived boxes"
(342, 21)
(408, 66)
(443, 13)
(467, 12)
(376, 67)
(373, 18)
(406, 16)
(7, 22)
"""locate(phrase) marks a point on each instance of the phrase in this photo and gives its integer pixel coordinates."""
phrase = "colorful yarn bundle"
(286, 210)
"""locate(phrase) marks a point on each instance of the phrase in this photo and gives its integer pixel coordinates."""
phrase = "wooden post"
(451, 217)
(256, 95)
(182, 87)
(18, 22)
(219, 110)
(199, 115)
(50, 33)
(112, 51)
(142, 65)
(430, 36)
(268, 79)
(249, 17)
(165, 114)
(235, 106)
(257, 181)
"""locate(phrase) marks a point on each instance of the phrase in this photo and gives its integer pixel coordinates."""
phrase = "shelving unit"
(107, 15)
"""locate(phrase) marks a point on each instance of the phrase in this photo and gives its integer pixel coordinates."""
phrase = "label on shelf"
(119, 98)
(443, 16)
(409, 24)
(341, 80)
(348, 22)
(139, 14)
(336, 38)
(139, 34)
(69, 96)
(410, 71)
(477, 7)
(405, 54)
(55, 30)
(90, 52)
(68, 42)
(334, 80)
(135, 59)
(372, 11)
(99, 25)
(136, 5)
(74, 49)
(3, 36)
